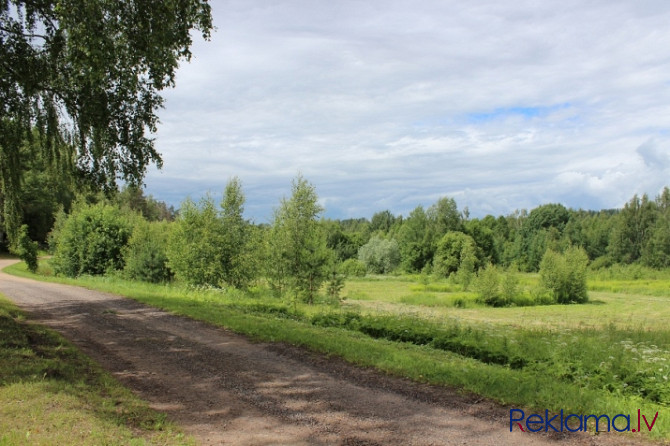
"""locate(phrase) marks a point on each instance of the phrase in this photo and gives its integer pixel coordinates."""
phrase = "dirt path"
(224, 389)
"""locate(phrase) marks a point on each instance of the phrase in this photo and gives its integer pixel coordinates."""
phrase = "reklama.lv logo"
(577, 423)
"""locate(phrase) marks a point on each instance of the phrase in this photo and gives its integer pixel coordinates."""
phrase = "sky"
(389, 104)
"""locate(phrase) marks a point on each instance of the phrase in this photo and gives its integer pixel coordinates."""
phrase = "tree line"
(207, 243)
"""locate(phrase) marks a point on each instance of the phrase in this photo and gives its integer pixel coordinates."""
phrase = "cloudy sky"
(385, 104)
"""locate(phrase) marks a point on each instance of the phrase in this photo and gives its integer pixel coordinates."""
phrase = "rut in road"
(224, 389)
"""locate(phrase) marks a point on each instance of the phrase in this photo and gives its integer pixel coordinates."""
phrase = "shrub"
(196, 244)
(352, 268)
(26, 249)
(564, 275)
(146, 254)
(487, 286)
(91, 240)
(499, 289)
(510, 288)
(334, 285)
(379, 255)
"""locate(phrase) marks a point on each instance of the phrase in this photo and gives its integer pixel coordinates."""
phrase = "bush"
(196, 244)
(146, 254)
(487, 286)
(334, 285)
(379, 255)
(510, 288)
(352, 268)
(564, 275)
(26, 249)
(499, 289)
(91, 240)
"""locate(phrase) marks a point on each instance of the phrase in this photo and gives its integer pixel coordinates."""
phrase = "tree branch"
(32, 36)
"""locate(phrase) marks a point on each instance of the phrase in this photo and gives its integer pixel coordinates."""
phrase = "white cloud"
(391, 104)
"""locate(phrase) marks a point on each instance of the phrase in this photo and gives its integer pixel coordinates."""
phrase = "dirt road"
(224, 389)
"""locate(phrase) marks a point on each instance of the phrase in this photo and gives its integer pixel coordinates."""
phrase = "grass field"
(609, 356)
(52, 394)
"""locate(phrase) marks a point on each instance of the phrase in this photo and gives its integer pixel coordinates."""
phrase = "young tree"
(195, 248)
(237, 256)
(298, 252)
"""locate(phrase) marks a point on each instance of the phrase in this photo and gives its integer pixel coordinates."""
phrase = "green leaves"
(297, 244)
(26, 249)
(379, 255)
(211, 247)
(89, 75)
(564, 275)
(91, 240)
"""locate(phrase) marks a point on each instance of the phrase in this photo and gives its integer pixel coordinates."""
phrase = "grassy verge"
(52, 394)
(598, 368)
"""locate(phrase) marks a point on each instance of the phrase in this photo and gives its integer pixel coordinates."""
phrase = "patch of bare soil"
(224, 389)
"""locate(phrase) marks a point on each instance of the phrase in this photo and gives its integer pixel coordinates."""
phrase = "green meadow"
(608, 356)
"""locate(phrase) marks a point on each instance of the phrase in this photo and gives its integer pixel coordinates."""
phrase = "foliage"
(443, 216)
(91, 240)
(380, 256)
(483, 234)
(546, 216)
(499, 289)
(26, 249)
(89, 77)
(334, 284)
(510, 287)
(564, 275)
(632, 229)
(454, 250)
(210, 247)
(656, 250)
(46, 186)
(344, 244)
(195, 244)
(145, 255)
(238, 269)
(466, 268)
(415, 240)
(487, 286)
(382, 221)
(352, 268)
(299, 256)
